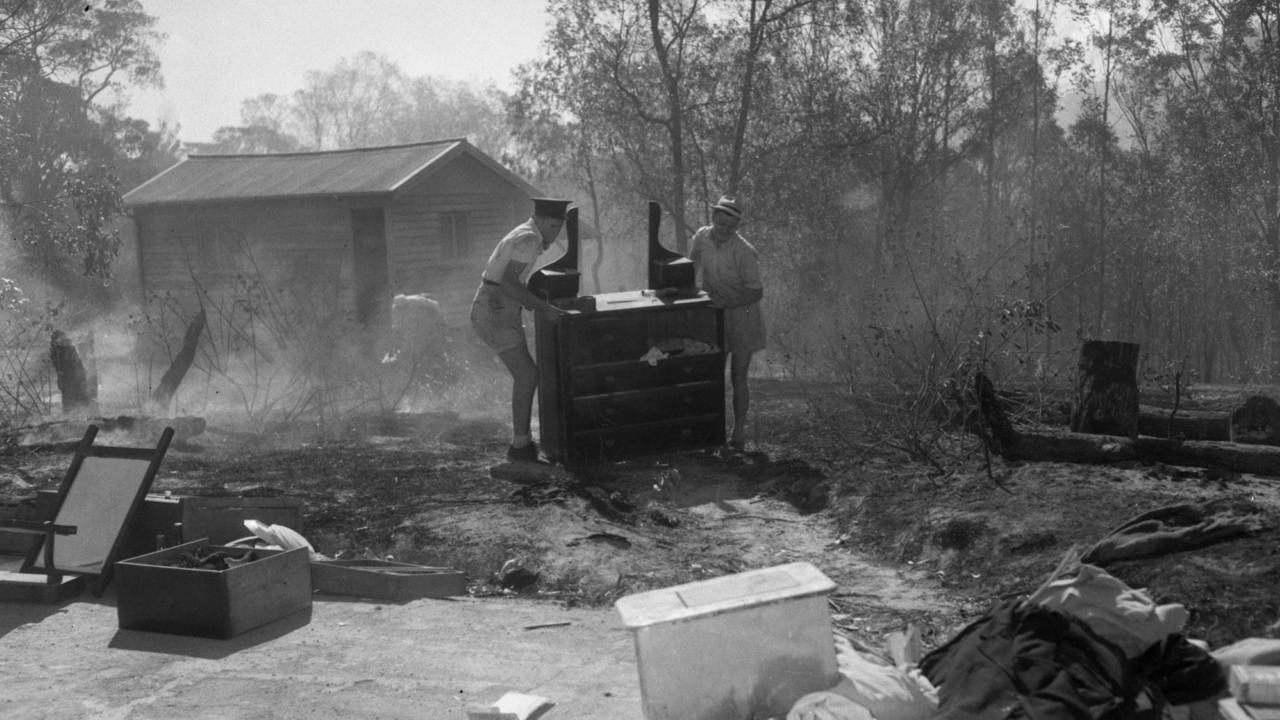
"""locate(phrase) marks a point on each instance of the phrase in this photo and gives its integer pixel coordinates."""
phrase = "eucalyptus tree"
(1221, 64)
(358, 102)
(264, 128)
(665, 95)
(363, 101)
(64, 70)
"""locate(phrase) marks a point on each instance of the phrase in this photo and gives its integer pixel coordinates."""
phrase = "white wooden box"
(733, 648)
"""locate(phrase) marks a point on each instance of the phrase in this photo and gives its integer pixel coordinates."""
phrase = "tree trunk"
(72, 379)
(163, 394)
(1107, 390)
(1185, 425)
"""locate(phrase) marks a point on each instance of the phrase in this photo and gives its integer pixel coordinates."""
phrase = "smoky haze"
(922, 205)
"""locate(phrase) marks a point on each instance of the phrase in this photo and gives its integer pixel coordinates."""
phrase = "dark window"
(456, 234)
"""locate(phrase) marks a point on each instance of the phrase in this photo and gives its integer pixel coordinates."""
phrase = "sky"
(220, 52)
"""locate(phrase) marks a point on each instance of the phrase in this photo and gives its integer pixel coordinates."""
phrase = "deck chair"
(97, 501)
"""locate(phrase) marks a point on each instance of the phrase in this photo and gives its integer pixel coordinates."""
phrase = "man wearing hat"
(496, 312)
(727, 269)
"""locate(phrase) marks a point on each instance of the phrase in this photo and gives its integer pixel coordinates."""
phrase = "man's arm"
(745, 296)
(512, 286)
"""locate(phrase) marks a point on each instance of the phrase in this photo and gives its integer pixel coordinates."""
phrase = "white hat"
(728, 205)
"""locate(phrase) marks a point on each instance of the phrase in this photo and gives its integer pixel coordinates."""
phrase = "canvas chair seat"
(98, 499)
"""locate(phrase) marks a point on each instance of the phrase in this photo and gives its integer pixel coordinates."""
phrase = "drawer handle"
(610, 380)
(688, 369)
(685, 433)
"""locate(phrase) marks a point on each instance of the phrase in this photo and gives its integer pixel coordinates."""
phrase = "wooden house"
(358, 226)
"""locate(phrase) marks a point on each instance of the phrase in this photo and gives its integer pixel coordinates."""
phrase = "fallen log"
(1185, 424)
(1065, 446)
(1239, 457)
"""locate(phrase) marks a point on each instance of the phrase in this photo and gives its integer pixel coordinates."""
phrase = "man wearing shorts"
(496, 312)
(729, 272)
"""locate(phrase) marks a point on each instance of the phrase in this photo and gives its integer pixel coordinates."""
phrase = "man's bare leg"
(739, 365)
(524, 377)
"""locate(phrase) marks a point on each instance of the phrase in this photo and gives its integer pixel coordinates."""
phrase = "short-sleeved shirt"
(523, 245)
(724, 271)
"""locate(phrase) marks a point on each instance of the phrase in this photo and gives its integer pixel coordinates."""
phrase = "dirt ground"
(906, 541)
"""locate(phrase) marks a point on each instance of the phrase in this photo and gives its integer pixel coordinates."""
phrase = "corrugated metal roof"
(364, 171)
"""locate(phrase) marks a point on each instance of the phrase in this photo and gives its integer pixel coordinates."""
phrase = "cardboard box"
(385, 580)
(153, 595)
(221, 519)
(740, 646)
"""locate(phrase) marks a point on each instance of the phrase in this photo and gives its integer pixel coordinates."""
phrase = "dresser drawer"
(607, 339)
(595, 412)
(648, 439)
(625, 376)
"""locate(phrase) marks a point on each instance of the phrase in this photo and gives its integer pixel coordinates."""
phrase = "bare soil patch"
(905, 542)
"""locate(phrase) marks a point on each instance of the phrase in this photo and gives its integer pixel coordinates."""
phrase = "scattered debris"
(540, 626)
(516, 577)
(513, 706)
(530, 472)
(617, 541)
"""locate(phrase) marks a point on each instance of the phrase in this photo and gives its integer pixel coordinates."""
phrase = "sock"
(519, 441)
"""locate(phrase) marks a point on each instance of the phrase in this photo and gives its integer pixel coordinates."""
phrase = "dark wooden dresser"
(638, 375)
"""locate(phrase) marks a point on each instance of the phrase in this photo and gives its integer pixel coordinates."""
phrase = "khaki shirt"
(724, 272)
(523, 245)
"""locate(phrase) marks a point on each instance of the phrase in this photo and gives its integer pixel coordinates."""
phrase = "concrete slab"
(426, 659)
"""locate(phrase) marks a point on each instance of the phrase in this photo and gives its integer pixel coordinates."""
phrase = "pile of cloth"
(680, 345)
(1084, 646)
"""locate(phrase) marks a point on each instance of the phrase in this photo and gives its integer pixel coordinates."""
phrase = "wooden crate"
(35, 587)
(221, 519)
(155, 596)
(385, 580)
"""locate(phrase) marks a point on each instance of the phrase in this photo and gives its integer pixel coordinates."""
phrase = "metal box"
(153, 595)
(738, 647)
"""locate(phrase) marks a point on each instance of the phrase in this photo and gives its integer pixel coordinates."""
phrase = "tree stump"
(73, 382)
(996, 430)
(172, 378)
(1106, 400)
(1257, 421)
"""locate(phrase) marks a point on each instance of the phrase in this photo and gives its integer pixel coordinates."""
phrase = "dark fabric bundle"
(1029, 661)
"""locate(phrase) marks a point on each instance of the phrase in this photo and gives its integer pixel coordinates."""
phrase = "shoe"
(528, 453)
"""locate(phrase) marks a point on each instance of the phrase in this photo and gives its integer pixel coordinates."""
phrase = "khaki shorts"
(744, 329)
(496, 318)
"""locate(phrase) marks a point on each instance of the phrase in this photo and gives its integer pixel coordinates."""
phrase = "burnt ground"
(933, 543)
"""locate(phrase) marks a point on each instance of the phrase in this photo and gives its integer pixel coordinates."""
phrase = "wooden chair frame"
(85, 522)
